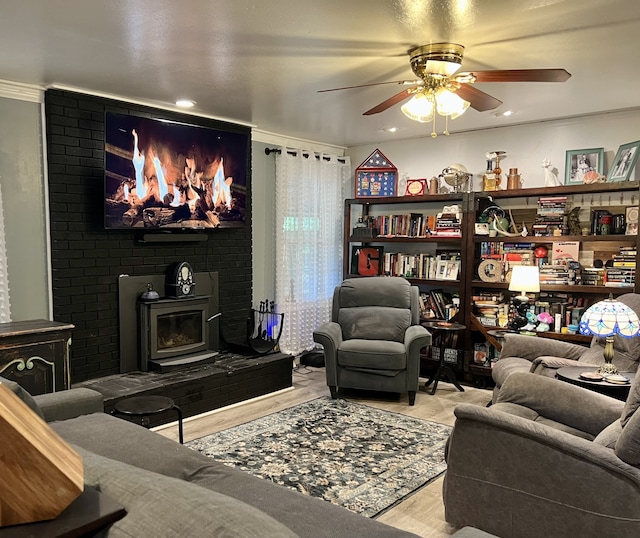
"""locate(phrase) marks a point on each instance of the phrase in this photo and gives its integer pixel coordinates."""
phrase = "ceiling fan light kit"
(440, 90)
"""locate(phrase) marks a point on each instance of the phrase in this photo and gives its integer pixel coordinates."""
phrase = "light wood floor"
(421, 513)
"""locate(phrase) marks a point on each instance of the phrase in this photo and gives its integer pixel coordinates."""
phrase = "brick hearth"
(232, 378)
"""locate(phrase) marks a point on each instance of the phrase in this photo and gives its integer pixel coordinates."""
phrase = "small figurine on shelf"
(573, 220)
(544, 322)
(493, 177)
(550, 177)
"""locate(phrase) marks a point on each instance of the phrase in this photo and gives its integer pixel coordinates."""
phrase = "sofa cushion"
(633, 401)
(530, 414)
(23, 395)
(394, 292)
(374, 323)
(609, 436)
(159, 505)
(506, 366)
(628, 444)
(372, 355)
(124, 441)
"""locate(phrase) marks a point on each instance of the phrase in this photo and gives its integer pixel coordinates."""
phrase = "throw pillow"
(23, 395)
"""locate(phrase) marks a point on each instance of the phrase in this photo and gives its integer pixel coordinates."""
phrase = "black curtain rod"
(269, 151)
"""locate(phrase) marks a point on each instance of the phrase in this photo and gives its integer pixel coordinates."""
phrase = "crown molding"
(22, 92)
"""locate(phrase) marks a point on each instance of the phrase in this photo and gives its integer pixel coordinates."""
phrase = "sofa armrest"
(562, 402)
(329, 336)
(70, 403)
(546, 365)
(518, 345)
(416, 337)
(501, 456)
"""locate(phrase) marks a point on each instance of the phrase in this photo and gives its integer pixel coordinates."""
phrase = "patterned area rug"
(350, 454)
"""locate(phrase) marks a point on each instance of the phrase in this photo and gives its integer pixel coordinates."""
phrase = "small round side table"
(571, 374)
(145, 406)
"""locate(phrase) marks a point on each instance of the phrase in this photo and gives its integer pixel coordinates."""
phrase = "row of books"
(623, 270)
(448, 224)
(419, 225)
(422, 265)
(438, 304)
(551, 217)
(405, 225)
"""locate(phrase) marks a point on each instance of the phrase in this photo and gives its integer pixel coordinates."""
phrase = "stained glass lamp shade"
(606, 319)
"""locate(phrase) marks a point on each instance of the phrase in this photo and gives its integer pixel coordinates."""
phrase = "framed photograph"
(583, 166)
(448, 270)
(624, 162)
(367, 261)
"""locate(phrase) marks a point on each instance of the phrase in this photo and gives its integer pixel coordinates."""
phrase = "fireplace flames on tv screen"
(162, 174)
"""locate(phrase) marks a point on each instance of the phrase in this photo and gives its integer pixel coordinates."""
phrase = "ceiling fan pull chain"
(433, 128)
(446, 126)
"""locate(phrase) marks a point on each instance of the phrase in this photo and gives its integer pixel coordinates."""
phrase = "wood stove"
(173, 333)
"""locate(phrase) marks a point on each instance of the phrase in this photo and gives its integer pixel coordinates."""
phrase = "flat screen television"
(168, 175)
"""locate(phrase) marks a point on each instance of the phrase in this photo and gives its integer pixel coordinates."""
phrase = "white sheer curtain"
(5, 310)
(310, 192)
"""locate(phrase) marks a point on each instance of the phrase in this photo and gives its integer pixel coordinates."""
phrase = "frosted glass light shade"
(450, 104)
(419, 108)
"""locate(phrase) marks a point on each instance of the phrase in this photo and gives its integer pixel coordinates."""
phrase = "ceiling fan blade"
(478, 100)
(520, 75)
(397, 98)
(401, 82)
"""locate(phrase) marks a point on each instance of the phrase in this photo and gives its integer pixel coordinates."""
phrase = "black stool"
(145, 406)
(444, 372)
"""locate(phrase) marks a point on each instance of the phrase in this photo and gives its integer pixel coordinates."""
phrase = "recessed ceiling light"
(504, 114)
(389, 130)
(185, 103)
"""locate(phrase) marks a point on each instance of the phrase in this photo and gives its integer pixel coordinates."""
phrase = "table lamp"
(524, 278)
(606, 319)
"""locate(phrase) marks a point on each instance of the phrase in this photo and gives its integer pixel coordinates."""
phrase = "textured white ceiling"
(262, 62)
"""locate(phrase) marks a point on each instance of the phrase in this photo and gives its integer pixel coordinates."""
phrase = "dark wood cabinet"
(35, 354)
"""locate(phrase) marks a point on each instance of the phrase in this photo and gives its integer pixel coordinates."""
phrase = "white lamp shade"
(525, 278)
(608, 318)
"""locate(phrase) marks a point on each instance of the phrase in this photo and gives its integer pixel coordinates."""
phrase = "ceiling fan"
(439, 89)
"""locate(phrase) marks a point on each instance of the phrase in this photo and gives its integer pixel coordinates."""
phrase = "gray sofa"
(545, 356)
(170, 490)
(546, 459)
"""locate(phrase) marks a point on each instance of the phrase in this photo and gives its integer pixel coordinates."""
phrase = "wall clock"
(179, 281)
(490, 270)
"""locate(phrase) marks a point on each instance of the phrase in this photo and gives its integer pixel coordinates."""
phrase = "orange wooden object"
(40, 474)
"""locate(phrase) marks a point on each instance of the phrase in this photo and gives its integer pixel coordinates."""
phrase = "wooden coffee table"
(571, 374)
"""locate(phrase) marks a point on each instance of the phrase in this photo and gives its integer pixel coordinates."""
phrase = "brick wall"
(86, 259)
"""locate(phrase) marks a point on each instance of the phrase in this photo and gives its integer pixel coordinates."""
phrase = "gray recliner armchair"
(374, 338)
(545, 356)
(547, 459)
